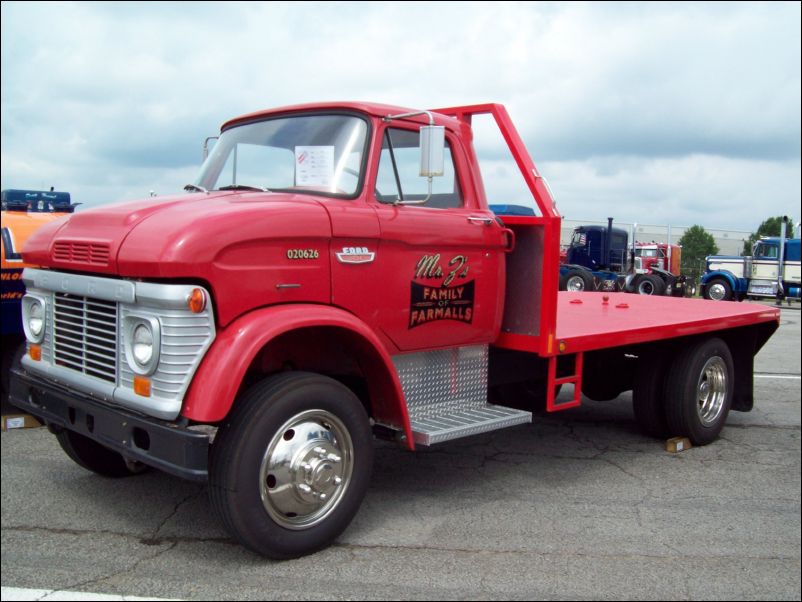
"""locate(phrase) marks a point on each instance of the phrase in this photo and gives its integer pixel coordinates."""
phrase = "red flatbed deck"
(585, 321)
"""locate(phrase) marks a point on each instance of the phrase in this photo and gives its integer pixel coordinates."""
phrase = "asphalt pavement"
(577, 505)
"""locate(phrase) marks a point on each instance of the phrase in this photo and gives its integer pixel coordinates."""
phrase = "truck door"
(764, 261)
(441, 262)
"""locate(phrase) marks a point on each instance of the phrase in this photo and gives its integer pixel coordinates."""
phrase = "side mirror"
(432, 150)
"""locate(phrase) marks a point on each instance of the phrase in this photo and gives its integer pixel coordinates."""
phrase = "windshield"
(311, 153)
(641, 252)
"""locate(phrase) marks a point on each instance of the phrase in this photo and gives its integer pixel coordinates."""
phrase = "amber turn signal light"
(35, 351)
(196, 301)
(142, 386)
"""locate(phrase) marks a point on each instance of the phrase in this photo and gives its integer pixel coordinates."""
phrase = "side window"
(767, 251)
(399, 173)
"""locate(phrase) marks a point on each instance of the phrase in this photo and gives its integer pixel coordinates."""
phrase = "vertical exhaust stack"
(608, 243)
(632, 266)
(781, 259)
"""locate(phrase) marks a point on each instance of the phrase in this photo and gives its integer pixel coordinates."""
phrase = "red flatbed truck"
(313, 291)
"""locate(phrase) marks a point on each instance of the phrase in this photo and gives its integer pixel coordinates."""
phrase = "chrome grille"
(85, 335)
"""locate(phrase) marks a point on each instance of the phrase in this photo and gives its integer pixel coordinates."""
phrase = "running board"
(469, 421)
(446, 395)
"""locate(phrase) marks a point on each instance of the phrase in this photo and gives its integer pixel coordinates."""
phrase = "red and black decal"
(441, 302)
(430, 303)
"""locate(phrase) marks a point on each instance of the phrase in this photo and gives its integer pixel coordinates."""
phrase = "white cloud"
(694, 104)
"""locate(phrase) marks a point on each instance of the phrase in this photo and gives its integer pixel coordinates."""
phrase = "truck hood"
(167, 237)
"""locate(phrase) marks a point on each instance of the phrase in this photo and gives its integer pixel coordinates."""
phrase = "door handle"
(480, 220)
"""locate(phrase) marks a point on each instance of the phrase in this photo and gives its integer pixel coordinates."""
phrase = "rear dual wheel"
(650, 284)
(691, 397)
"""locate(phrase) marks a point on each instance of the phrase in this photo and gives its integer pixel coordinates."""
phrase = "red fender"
(220, 374)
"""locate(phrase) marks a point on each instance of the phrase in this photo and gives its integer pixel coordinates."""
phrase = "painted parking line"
(19, 593)
(780, 376)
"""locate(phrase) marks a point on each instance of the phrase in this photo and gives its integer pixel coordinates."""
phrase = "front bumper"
(168, 446)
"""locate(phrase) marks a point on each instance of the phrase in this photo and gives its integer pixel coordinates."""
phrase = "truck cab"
(657, 256)
(588, 248)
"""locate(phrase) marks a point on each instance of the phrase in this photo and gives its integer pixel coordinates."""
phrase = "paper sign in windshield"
(314, 166)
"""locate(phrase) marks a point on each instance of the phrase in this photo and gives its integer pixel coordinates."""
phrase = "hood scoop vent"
(82, 252)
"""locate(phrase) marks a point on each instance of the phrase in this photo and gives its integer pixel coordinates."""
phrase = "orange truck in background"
(23, 212)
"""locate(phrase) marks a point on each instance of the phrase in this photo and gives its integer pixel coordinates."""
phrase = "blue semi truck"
(600, 258)
(772, 271)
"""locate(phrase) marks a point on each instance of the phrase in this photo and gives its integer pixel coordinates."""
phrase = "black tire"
(99, 459)
(648, 398)
(13, 350)
(718, 289)
(698, 391)
(576, 280)
(650, 284)
(256, 494)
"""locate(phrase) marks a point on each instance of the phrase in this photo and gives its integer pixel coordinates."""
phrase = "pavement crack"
(154, 538)
(92, 583)
(134, 536)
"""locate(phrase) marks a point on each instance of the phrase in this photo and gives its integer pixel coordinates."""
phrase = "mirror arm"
(421, 201)
(431, 123)
(413, 114)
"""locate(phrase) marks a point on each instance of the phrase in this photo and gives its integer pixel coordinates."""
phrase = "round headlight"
(36, 318)
(143, 344)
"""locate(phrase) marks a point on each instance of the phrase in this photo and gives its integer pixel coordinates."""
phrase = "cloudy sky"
(675, 113)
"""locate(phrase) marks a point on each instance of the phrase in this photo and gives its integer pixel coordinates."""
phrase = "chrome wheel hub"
(711, 390)
(717, 291)
(306, 469)
(575, 283)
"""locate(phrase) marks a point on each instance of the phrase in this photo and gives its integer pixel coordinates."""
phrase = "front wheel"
(718, 289)
(291, 466)
(93, 456)
(699, 390)
(576, 281)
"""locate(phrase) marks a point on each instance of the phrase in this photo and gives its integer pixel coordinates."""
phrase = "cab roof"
(370, 108)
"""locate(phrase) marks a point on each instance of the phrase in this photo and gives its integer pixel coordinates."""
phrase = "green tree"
(696, 244)
(770, 227)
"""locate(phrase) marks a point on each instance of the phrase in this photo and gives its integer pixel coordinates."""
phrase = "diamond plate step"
(435, 428)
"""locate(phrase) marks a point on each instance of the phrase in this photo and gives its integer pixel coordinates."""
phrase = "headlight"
(142, 343)
(33, 318)
(36, 321)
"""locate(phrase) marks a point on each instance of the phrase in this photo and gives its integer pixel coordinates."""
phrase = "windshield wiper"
(196, 188)
(243, 187)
